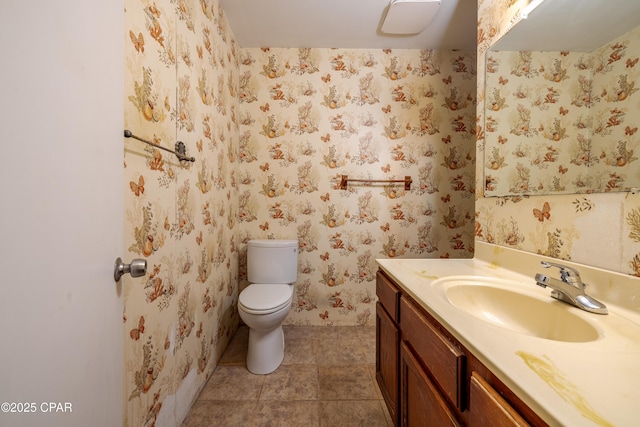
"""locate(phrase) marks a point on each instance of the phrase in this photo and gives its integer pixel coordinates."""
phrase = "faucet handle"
(568, 274)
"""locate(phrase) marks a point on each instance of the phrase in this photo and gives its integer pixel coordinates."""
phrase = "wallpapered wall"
(602, 230)
(271, 131)
(563, 122)
(308, 116)
(181, 84)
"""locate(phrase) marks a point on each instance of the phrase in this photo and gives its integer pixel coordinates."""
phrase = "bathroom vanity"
(472, 342)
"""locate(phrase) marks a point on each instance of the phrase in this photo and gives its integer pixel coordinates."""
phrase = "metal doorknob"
(137, 268)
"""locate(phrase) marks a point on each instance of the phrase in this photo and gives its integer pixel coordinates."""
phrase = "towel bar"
(345, 180)
(180, 150)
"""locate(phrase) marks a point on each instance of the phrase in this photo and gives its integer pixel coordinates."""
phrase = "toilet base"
(266, 350)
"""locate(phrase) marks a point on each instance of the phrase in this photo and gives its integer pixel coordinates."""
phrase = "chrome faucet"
(570, 288)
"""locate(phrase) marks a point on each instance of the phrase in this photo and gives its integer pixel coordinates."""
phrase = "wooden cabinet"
(422, 404)
(428, 378)
(387, 343)
(489, 408)
(444, 360)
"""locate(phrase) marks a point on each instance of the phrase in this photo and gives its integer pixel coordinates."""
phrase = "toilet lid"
(266, 297)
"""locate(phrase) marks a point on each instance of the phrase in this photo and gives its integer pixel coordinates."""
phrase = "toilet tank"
(272, 261)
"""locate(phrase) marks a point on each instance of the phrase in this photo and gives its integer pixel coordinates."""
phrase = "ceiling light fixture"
(409, 16)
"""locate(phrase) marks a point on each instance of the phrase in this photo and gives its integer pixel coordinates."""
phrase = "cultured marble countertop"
(566, 383)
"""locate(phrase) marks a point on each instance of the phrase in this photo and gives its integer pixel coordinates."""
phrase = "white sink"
(510, 305)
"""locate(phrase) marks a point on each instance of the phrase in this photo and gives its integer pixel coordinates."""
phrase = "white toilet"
(272, 268)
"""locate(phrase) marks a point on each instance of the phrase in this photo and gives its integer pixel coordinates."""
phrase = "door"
(61, 216)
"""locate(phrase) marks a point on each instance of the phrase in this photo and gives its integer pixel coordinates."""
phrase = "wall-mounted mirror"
(562, 101)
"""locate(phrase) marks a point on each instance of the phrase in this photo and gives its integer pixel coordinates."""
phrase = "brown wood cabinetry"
(422, 404)
(428, 378)
(445, 361)
(388, 343)
(489, 408)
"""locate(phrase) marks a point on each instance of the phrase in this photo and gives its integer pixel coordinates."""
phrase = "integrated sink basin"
(510, 305)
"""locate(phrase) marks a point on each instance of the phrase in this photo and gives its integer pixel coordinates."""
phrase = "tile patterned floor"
(327, 378)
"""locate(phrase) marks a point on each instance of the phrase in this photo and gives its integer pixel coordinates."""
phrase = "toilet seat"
(265, 298)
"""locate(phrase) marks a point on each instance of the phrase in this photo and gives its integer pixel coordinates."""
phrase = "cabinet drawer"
(388, 295)
(488, 409)
(444, 360)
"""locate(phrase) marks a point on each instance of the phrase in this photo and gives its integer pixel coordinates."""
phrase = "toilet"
(272, 269)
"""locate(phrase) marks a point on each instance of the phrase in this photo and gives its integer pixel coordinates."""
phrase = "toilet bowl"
(266, 338)
(272, 267)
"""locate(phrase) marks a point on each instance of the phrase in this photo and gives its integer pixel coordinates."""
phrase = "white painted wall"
(61, 220)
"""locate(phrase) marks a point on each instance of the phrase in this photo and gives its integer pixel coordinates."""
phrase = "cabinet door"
(387, 341)
(488, 408)
(444, 360)
(422, 404)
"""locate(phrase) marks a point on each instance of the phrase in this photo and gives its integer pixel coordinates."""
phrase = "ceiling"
(573, 26)
(345, 24)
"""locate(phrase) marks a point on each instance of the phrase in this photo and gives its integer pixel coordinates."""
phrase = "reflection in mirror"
(562, 107)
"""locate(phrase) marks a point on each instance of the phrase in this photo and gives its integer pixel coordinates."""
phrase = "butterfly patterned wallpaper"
(271, 131)
(309, 116)
(181, 81)
(563, 122)
(601, 230)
